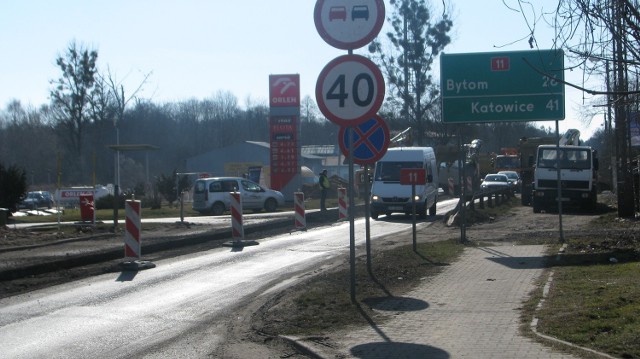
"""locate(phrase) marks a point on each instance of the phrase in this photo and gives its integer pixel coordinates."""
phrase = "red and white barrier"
(132, 246)
(300, 219)
(451, 188)
(237, 229)
(342, 203)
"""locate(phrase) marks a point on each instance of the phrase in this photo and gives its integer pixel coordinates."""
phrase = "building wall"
(233, 160)
(236, 159)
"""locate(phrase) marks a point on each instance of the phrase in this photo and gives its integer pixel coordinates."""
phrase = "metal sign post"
(367, 224)
(352, 231)
(413, 177)
(413, 204)
(350, 89)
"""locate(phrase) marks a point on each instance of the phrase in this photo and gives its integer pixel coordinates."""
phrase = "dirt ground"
(257, 329)
(254, 332)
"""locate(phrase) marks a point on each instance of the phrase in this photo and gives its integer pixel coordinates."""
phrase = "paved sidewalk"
(470, 310)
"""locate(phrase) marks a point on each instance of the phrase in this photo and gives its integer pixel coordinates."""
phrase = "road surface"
(179, 308)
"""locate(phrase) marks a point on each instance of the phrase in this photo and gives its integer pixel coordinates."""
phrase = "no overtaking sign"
(348, 24)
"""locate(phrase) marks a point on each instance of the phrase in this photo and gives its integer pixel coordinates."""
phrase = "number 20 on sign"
(350, 90)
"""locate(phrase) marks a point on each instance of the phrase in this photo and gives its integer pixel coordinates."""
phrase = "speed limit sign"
(350, 90)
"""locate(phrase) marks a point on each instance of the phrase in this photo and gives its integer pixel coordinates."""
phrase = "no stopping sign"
(369, 140)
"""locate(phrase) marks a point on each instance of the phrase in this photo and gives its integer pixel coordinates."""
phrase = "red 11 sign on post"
(413, 176)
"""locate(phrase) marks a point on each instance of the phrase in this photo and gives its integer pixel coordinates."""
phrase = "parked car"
(514, 178)
(495, 181)
(211, 195)
(36, 199)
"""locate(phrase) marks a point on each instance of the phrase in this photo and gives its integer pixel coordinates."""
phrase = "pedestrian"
(324, 187)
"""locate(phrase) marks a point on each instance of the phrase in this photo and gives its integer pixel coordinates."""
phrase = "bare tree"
(601, 38)
(416, 41)
(25, 140)
(71, 96)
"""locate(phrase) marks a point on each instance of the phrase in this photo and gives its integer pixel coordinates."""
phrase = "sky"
(198, 48)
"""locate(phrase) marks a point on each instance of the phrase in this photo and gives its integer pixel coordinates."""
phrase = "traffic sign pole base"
(136, 265)
(240, 243)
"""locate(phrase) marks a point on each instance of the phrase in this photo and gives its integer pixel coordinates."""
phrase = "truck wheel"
(217, 209)
(525, 195)
(536, 206)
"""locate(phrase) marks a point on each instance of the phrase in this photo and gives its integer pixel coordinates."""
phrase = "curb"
(534, 321)
(105, 255)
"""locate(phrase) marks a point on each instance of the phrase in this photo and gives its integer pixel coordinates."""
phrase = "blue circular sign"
(370, 140)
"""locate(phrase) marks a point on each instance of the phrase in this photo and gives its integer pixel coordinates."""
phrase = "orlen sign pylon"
(284, 132)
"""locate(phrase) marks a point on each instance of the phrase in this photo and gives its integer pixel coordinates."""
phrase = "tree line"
(67, 141)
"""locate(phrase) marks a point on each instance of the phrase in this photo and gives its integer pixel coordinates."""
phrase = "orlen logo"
(284, 90)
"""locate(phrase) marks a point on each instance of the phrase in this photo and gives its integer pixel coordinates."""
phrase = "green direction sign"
(502, 86)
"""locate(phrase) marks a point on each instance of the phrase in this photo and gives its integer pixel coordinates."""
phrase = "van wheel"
(423, 212)
(217, 209)
(433, 209)
(270, 205)
(374, 215)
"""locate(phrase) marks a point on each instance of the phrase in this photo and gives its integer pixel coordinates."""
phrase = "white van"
(211, 195)
(389, 196)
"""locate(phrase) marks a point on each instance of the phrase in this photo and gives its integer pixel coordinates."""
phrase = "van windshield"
(390, 171)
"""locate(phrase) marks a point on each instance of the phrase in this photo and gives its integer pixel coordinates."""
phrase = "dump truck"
(527, 150)
(507, 160)
(566, 172)
(578, 166)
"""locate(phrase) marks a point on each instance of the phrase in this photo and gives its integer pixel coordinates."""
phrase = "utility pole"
(625, 178)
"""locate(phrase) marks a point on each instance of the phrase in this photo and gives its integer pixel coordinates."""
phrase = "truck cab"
(577, 166)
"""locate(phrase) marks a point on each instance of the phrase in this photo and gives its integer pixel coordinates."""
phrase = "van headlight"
(375, 198)
(417, 198)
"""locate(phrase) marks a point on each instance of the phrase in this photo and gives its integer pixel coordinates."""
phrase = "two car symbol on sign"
(357, 12)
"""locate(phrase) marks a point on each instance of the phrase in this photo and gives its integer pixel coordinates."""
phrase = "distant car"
(514, 178)
(36, 199)
(495, 181)
(211, 195)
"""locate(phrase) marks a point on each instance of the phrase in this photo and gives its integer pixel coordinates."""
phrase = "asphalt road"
(177, 309)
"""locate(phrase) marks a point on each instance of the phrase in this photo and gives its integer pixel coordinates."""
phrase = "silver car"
(495, 181)
(514, 178)
(212, 195)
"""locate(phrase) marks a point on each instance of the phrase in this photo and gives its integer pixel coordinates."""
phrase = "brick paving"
(470, 310)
